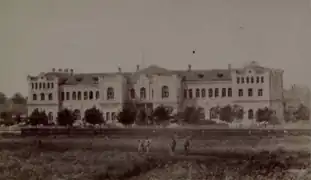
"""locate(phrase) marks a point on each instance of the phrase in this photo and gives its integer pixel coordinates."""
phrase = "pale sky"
(99, 35)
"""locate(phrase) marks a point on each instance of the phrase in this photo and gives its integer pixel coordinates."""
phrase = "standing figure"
(140, 147)
(147, 144)
(187, 145)
(173, 144)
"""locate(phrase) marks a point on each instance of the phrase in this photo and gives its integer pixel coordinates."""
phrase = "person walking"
(140, 147)
(173, 144)
(187, 145)
(147, 144)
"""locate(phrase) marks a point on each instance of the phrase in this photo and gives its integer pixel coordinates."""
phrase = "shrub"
(266, 115)
(161, 113)
(193, 115)
(226, 114)
(93, 116)
(37, 118)
(302, 113)
(127, 116)
(65, 117)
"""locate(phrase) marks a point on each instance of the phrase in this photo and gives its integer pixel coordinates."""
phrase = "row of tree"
(17, 98)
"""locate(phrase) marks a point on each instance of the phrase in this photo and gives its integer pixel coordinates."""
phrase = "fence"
(159, 132)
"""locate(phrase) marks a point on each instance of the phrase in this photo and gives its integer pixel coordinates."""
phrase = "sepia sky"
(100, 35)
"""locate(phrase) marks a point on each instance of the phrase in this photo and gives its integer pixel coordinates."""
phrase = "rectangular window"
(224, 92)
(185, 93)
(203, 93)
(250, 92)
(257, 79)
(210, 93)
(107, 116)
(62, 96)
(229, 92)
(85, 95)
(238, 80)
(262, 79)
(52, 85)
(216, 92)
(240, 92)
(260, 92)
(67, 96)
(242, 80)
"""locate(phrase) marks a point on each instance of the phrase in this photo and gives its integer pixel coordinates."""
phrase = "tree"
(127, 116)
(38, 117)
(226, 114)
(93, 116)
(161, 113)
(192, 115)
(3, 98)
(266, 115)
(141, 117)
(5, 115)
(17, 98)
(302, 113)
(238, 112)
(65, 117)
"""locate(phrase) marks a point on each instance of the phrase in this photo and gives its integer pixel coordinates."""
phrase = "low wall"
(160, 132)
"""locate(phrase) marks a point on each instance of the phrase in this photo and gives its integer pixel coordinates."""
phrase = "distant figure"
(173, 144)
(187, 145)
(147, 144)
(140, 147)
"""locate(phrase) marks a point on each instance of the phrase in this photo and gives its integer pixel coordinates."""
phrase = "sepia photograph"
(155, 89)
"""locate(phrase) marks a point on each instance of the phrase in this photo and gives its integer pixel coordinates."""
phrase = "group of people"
(144, 145)
(174, 143)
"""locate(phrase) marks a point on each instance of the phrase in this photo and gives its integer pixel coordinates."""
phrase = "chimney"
(60, 70)
(229, 66)
(189, 67)
(137, 67)
(71, 71)
(119, 69)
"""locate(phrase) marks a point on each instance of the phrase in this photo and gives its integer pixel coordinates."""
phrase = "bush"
(302, 113)
(94, 116)
(65, 117)
(266, 115)
(193, 115)
(38, 118)
(226, 114)
(127, 116)
(161, 113)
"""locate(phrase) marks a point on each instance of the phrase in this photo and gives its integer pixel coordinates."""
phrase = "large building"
(252, 87)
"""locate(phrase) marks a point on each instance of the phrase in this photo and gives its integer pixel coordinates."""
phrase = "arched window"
(247, 80)
(250, 114)
(43, 85)
(79, 95)
(34, 97)
(190, 93)
(197, 93)
(165, 92)
(52, 85)
(42, 96)
(91, 95)
(48, 85)
(110, 93)
(36, 85)
(252, 80)
(132, 93)
(50, 116)
(32, 85)
(242, 80)
(77, 114)
(74, 95)
(40, 85)
(142, 93)
(97, 95)
(50, 96)
(203, 93)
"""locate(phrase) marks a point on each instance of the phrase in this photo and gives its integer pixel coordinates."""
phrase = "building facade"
(251, 87)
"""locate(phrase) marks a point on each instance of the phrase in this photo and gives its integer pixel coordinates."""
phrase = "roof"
(188, 75)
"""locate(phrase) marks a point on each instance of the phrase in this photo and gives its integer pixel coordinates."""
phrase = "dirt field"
(101, 158)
